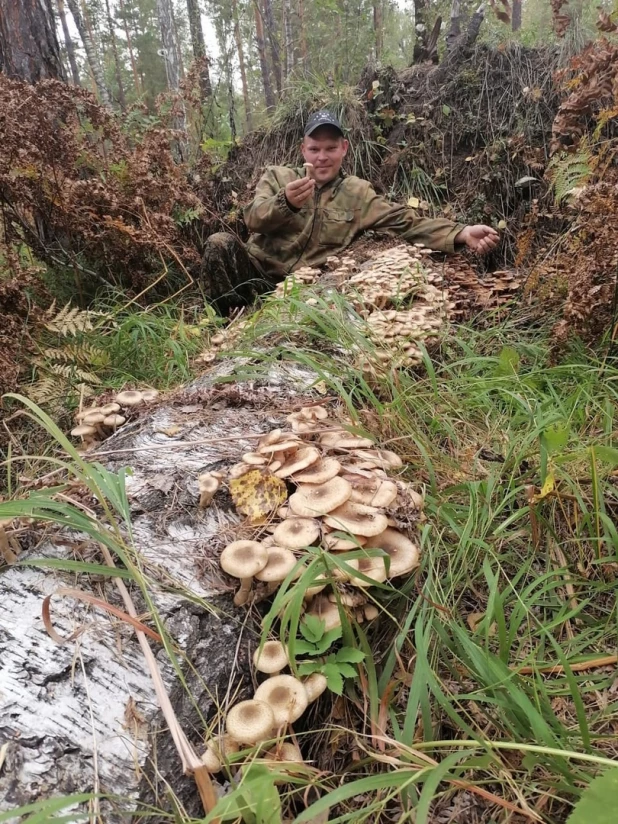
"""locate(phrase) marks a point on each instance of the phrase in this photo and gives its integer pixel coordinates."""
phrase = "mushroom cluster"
(98, 422)
(341, 499)
(470, 293)
(278, 701)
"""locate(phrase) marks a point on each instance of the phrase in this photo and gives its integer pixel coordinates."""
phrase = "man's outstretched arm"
(440, 234)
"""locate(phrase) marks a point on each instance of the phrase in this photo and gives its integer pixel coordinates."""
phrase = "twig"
(557, 669)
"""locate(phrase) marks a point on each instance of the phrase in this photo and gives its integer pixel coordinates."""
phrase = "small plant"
(336, 666)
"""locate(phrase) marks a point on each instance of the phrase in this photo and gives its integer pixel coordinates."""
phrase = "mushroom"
(296, 533)
(309, 167)
(319, 472)
(290, 443)
(150, 394)
(243, 559)
(348, 599)
(371, 612)
(84, 431)
(313, 590)
(384, 457)
(207, 485)
(341, 571)
(325, 610)
(94, 417)
(312, 499)
(373, 492)
(270, 437)
(339, 544)
(300, 425)
(357, 519)
(286, 696)
(315, 684)
(251, 722)
(314, 413)
(278, 566)
(110, 408)
(210, 759)
(344, 440)
(254, 459)
(301, 459)
(238, 470)
(284, 752)
(114, 421)
(130, 397)
(371, 567)
(271, 658)
(403, 553)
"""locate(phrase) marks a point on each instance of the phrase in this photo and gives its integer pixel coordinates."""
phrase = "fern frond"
(567, 172)
(70, 320)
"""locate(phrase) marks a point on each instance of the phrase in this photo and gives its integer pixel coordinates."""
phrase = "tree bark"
(455, 25)
(118, 72)
(68, 42)
(273, 42)
(304, 53)
(241, 63)
(199, 48)
(421, 26)
(516, 15)
(378, 28)
(91, 53)
(171, 55)
(127, 33)
(269, 95)
(29, 48)
(288, 38)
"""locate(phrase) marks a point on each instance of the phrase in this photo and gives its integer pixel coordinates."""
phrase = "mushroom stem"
(242, 596)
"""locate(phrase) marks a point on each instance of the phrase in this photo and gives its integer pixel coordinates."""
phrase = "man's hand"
(299, 191)
(480, 239)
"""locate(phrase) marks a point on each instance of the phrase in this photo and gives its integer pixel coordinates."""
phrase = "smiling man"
(298, 220)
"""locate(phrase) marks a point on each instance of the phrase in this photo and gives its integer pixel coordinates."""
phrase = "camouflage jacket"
(284, 238)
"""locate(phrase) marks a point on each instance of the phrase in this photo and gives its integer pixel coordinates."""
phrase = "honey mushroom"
(243, 560)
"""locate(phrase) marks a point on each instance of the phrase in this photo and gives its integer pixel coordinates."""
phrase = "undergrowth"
(485, 690)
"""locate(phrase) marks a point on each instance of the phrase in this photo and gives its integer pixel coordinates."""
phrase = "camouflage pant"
(228, 277)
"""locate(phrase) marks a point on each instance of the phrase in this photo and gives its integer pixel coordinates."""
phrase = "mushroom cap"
(371, 611)
(149, 394)
(79, 416)
(210, 759)
(373, 491)
(315, 684)
(357, 519)
(110, 408)
(286, 696)
(279, 565)
(83, 431)
(208, 483)
(315, 499)
(253, 459)
(238, 470)
(243, 559)
(94, 417)
(336, 544)
(114, 420)
(300, 460)
(273, 657)
(130, 397)
(316, 587)
(296, 533)
(270, 437)
(319, 472)
(250, 722)
(285, 752)
(348, 599)
(288, 443)
(385, 457)
(314, 413)
(344, 440)
(371, 567)
(328, 612)
(341, 574)
(403, 553)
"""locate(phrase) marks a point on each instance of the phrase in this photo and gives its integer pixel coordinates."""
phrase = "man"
(298, 220)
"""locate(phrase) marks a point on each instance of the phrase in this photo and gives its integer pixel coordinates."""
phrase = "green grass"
(519, 550)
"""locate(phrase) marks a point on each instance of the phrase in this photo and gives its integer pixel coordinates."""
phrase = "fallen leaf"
(475, 618)
(547, 488)
(257, 494)
(413, 202)
(172, 430)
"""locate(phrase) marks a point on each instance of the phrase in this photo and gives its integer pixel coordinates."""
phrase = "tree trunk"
(241, 63)
(421, 28)
(127, 33)
(273, 41)
(516, 15)
(91, 53)
(303, 35)
(112, 34)
(199, 48)
(378, 28)
(269, 95)
(68, 42)
(289, 40)
(29, 48)
(171, 55)
(455, 25)
(181, 65)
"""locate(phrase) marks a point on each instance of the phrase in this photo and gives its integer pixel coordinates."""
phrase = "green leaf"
(508, 362)
(446, 110)
(350, 655)
(598, 802)
(607, 454)
(328, 640)
(306, 648)
(312, 628)
(555, 438)
(347, 670)
(44, 811)
(333, 678)
(307, 667)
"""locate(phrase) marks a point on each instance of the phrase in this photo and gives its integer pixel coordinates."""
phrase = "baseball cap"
(322, 118)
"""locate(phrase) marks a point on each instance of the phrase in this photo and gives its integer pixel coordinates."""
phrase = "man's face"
(325, 148)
